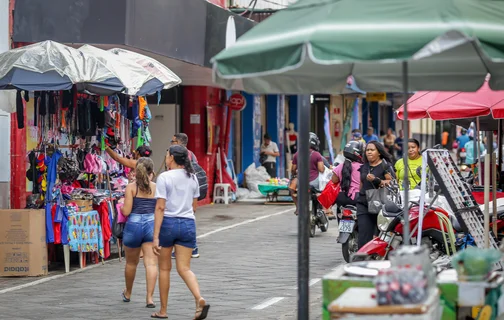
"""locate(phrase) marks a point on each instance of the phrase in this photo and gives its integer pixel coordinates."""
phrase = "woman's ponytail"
(346, 176)
(188, 167)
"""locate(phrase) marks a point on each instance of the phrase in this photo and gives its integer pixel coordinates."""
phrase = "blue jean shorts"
(178, 231)
(138, 229)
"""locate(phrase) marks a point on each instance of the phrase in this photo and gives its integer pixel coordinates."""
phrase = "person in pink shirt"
(348, 175)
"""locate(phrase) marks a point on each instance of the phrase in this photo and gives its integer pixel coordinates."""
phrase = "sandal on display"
(157, 316)
(201, 310)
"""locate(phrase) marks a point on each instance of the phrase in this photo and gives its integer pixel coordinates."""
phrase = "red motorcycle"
(390, 224)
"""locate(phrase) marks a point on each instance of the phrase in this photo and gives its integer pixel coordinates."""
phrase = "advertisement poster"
(257, 129)
(210, 129)
(281, 135)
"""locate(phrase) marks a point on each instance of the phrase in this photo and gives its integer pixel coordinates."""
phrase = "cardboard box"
(23, 250)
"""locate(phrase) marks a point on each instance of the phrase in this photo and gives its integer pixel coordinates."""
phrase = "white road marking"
(314, 281)
(242, 223)
(268, 303)
(34, 283)
(311, 283)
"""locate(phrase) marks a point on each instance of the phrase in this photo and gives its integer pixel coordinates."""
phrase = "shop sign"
(237, 102)
(376, 96)
(195, 119)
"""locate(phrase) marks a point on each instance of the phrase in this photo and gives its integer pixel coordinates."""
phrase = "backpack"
(201, 176)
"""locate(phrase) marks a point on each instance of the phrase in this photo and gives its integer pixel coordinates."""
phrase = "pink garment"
(120, 217)
(355, 178)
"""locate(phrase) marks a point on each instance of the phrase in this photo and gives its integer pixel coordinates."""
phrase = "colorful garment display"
(85, 232)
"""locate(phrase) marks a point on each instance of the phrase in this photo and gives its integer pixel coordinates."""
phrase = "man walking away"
(370, 136)
(399, 144)
(269, 153)
(182, 140)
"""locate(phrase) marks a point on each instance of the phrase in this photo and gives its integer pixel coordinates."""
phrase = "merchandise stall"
(76, 184)
(469, 283)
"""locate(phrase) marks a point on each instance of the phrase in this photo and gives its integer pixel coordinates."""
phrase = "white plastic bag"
(324, 178)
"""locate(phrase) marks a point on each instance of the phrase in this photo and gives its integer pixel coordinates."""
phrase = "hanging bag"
(376, 197)
(328, 196)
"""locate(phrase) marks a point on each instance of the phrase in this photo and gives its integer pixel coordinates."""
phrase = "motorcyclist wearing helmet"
(315, 165)
(348, 175)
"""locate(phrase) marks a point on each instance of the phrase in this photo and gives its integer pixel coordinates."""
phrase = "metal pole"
(406, 233)
(303, 208)
(477, 141)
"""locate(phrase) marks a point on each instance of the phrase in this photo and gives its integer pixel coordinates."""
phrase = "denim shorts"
(178, 231)
(138, 229)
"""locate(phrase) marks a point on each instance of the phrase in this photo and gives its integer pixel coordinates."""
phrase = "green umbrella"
(387, 45)
(313, 45)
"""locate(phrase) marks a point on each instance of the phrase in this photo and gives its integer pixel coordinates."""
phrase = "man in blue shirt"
(469, 146)
(462, 139)
(370, 136)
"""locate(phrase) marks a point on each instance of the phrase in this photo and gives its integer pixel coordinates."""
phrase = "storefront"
(152, 29)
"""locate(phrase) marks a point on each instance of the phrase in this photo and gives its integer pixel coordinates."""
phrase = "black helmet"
(463, 131)
(314, 141)
(353, 151)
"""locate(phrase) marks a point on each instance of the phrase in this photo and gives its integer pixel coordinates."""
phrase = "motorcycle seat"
(391, 209)
(456, 225)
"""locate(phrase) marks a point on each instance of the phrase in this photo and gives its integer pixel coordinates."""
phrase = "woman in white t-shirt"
(177, 192)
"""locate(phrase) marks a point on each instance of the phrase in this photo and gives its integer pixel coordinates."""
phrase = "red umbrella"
(448, 105)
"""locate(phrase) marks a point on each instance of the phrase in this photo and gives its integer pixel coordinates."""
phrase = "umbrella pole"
(303, 207)
(406, 233)
(478, 151)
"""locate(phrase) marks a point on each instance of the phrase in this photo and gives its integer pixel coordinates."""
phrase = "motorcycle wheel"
(324, 222)
(313, 228)
(350, 247)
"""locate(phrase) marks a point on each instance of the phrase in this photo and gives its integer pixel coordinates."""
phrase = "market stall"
(72, 122)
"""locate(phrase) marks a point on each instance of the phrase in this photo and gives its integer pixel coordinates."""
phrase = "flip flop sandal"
(157, 316)
(150, 305)
(202, 310)
(124, 297)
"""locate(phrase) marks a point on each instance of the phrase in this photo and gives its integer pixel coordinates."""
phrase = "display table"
(456, 297)
(272, 192)
(360, 303)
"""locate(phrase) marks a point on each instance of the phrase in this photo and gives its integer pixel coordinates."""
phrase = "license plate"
(346, 226)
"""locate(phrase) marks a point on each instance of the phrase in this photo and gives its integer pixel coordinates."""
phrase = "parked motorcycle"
(318, 217)
(348, 231)
(435, 233)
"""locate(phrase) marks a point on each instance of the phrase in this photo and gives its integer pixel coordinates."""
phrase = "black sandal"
(201, 310)
(157, 316)
(124, 296)
(150, 305)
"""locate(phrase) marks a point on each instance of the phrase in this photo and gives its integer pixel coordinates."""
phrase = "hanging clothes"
(19, 110)
(52, 172)
(103, 210)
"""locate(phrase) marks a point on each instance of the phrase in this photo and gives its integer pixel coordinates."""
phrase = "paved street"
(247, 270)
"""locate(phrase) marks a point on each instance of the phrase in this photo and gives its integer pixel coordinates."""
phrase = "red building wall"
(195, 102)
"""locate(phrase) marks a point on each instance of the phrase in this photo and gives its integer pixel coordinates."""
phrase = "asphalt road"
(247, 270)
